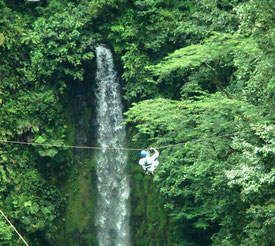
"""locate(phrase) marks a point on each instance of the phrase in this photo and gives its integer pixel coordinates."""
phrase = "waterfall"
(112, 216)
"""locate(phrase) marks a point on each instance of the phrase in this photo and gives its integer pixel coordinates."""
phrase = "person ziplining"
(149, 162)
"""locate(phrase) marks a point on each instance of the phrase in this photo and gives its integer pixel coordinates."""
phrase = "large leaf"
(48, 152)
(40, 140)
(2, 38)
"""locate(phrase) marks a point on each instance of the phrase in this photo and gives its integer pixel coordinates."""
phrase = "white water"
(112, 217)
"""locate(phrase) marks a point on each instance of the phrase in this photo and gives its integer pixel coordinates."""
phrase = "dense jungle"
(197, 80)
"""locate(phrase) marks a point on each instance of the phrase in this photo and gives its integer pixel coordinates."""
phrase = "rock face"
(77, 227)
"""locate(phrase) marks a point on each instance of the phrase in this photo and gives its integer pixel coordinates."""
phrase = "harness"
(146, 164)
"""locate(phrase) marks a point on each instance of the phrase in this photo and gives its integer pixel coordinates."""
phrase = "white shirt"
(147, 161)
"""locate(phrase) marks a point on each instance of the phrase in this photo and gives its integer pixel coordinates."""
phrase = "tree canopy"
(198, 83)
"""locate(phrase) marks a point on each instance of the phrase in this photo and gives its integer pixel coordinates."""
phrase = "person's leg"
(154, 166)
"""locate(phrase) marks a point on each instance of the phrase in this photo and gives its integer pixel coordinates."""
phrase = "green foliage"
(253, 176)
(57, 44)
(148, 30)
(208, 66)
(216, 15)
(217, 192)
(217, 47)
(41, 52)
(206, 186)
(171, 124)
(255, 75)
(141, 33)
(2, 38)
(5, 233)
(26, 196)
(256, 20)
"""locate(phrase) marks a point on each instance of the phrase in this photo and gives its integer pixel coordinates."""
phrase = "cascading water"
(112, 218)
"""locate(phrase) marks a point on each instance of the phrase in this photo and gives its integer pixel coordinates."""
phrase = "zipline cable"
(108, 148)
(13, 227)
(66, 146)
(118, 148)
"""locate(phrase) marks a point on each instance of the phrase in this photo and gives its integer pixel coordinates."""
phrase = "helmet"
(143, 153)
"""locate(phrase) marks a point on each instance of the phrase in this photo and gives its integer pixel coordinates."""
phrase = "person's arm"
(142, 163)
(155, 155)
